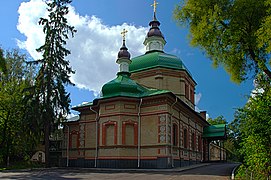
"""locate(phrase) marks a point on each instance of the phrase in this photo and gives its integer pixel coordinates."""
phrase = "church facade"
(145, 117)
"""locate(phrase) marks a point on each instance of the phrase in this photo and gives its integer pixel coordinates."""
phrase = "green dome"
(156, 59)
(122, 86)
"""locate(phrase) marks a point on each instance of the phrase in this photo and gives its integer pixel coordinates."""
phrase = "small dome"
(122, 86)
(154, 30)
(123, 52)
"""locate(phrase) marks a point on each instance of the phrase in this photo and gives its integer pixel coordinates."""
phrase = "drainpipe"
(96, 148)
(171, 115)
(139, 134)
(68, 142)
(209, 150)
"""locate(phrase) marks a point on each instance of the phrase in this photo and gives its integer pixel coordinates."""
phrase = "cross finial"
(123, 33)
(154, 6)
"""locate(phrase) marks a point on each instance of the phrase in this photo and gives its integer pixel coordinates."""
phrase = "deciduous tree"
(17, 139)
(255, 121)
(233, 33)
(217, 120)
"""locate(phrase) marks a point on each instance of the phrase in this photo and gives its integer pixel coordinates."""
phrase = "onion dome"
(123, 85)
(123, 52)
(123, 55)
(154, 30)
(154, 40)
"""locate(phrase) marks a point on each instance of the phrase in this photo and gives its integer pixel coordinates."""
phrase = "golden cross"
(123, 33)
(154, 5)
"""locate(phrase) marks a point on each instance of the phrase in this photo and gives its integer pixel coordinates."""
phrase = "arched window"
(109, 136)
(187, 91)
(193, 141)
(192, 95)
(175, 135)
(185, 138)
(199, 143)
(74, 139)
(129, 133)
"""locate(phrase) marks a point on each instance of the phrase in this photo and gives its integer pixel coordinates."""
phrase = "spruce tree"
(2, 62)
(54, 73)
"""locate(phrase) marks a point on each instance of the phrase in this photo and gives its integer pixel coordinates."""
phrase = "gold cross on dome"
(123, 33)
(154, 5)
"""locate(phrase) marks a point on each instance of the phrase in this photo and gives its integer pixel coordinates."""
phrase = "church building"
(145, 117)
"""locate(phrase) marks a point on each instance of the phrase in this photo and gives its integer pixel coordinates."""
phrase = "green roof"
(123, 85)
(215, 131)
(156, 59)
(83, 105)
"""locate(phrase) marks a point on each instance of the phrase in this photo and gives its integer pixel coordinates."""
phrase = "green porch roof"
(156, 59)
(217, 131)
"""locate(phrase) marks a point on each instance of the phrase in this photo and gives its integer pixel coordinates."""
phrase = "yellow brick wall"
(149, 131)
(151, 112)
(90, 135)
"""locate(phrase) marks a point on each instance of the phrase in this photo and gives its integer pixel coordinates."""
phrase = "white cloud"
(207, 116)
(197, 98)
(29, 14)
(93, 49)
(257, 89)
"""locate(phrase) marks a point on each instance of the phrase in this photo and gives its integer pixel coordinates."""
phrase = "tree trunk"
(47, 141)
(263, 67)
(7, 150)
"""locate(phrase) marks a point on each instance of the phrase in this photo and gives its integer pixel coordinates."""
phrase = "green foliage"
(255, 121)
(234, 33)
(17, 140)
(2, 63)
(48, 93)
(23, 165)
(234, 140)
(217, 120)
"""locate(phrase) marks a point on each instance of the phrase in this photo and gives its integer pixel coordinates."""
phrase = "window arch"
(175, 135)
(185, 138)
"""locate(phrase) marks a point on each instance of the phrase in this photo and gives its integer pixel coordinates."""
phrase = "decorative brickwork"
(162, 129)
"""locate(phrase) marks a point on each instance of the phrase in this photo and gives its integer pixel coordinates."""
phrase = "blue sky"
(95, 46)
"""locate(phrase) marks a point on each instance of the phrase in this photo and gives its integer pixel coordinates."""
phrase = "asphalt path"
(214, 171)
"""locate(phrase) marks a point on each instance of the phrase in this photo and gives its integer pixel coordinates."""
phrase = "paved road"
(218, 171)
(211, 172)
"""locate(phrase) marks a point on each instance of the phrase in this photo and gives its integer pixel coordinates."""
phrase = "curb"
(179, 169)
(233, 171)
